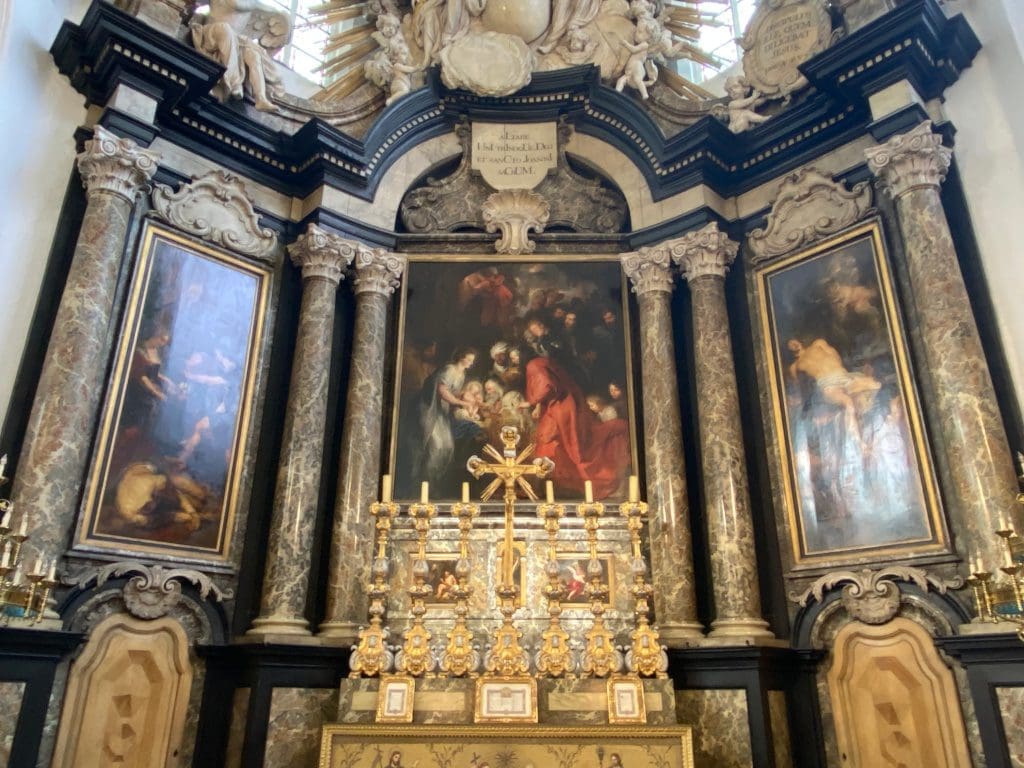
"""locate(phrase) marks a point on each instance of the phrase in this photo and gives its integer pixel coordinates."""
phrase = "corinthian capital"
(913, 160)
(115, 165)
(649, 269)
(321, 254)
(704, 253)
(377, 270)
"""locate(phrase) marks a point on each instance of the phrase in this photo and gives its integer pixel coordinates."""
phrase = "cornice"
(915, 42)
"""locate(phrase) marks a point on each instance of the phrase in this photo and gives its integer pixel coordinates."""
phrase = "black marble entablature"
(914, 42)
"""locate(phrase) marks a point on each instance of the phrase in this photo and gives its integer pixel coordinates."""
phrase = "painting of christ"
(540, 345)
(857, 468)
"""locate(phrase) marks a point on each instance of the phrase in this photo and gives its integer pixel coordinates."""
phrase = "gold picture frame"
(166, 476)
(396, 699)
(626, 702)
(505, 700)
(853, 464)
(366, 746)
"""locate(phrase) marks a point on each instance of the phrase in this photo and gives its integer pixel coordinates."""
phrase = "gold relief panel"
(851, 452)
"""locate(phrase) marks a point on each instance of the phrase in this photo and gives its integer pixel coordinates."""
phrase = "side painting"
(542, 345)
(855, 465)
(165, 477)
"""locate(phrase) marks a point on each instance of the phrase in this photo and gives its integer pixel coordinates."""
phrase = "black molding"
(31, 656)
(110, 47)
(991, 662)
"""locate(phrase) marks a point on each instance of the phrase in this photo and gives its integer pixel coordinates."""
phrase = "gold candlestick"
(555, 657)
(600, 657)
(646, 657)
(417, 657)
(507, 657)
(371, 656)
(460, 656)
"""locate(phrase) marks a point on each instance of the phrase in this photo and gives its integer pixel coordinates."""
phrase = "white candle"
(3, 466)
(385, 489)
(465, 493)
(588, 492)
(5, 560)
(978, 566)
(6, 522)
(634, 488)
(1003, 524)
(38, 569)
(23, 528)
(549, 492)
(424, 492)
(52, 575)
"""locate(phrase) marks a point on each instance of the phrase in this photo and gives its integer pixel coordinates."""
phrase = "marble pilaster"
(704, 257)
(675, 596)
(62, 422)
(323, 258)
(377, 274)
(911, 167)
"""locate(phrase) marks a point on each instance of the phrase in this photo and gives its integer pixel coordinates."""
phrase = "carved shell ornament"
(515, 212)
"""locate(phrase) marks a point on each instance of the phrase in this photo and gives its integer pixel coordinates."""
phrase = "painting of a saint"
(855, 455)
(172, 425)
(542, 346)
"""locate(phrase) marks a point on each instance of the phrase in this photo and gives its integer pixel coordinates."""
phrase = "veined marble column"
(61, 425)
(378, 274)
(323, 258)
(675, 596)
(911, 167)
(704, 257)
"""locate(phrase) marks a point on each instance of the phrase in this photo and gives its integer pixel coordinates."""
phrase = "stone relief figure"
(243, 35)
(392, 65)
(742, 101)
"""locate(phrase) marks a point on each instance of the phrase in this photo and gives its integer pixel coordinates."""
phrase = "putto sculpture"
(492, 48)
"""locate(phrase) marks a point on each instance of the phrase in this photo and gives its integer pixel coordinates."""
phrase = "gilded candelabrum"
(24, 594)
(600, 656)
(460, 656)
(506, 658)
(555, 657)
(646, 656)
(371, 656)
(417, 657)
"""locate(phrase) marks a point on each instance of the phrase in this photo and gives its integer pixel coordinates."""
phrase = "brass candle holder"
(460, 657)
(646, 657)
(417, 658)
(371, 656)
(1012, 567)
(600, 656)
(555, 657)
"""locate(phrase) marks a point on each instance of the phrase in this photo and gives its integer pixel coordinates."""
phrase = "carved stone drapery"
(216, 208)
(809, 206)
(515, 212)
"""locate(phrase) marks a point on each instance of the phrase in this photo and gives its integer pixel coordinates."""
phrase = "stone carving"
(515, 212)
(705, 252)
(781, 36)
(377, 270)
(319, 253)
(575, 203)
(242, 36)
(492, 49)
(649, 269)
(911, 160)
(873, 597)
(216, 208)
(115, 165)
(809, 206)
(154, 590)
(743, 100)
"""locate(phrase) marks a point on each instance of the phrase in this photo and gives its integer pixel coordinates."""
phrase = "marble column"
(911, 167)
(55, 456)
(704, 257)
(675, 597)
(323, 258)
(377, 274)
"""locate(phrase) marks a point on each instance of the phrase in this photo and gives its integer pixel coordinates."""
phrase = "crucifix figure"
(510, 470)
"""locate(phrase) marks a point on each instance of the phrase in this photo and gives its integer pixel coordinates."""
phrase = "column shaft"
(63, 419)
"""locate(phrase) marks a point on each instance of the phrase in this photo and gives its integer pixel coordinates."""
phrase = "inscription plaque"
(514, 155)
(783, 35)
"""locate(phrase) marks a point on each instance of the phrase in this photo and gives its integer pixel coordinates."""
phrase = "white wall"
(37, 136)
(988, 111)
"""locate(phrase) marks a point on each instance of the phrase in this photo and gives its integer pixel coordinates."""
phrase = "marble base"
(733, 641)
(989, 628)
(274, 625)
(740, 629)
(276, 638)
(681, 635)
(338, 633)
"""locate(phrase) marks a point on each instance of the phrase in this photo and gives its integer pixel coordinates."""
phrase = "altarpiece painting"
(166, 475)
(540, 344)
(856, 469)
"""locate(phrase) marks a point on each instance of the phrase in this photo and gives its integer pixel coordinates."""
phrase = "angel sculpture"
(242, 36)
(640, 72)
(392, 66)
(742, 116)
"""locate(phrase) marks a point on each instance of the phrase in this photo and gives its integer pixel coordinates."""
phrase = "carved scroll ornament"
(515, 212)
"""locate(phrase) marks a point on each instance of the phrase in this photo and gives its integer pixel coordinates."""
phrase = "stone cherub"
(639, 71)
(242, 36)
(392, 66)
(742, 101)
